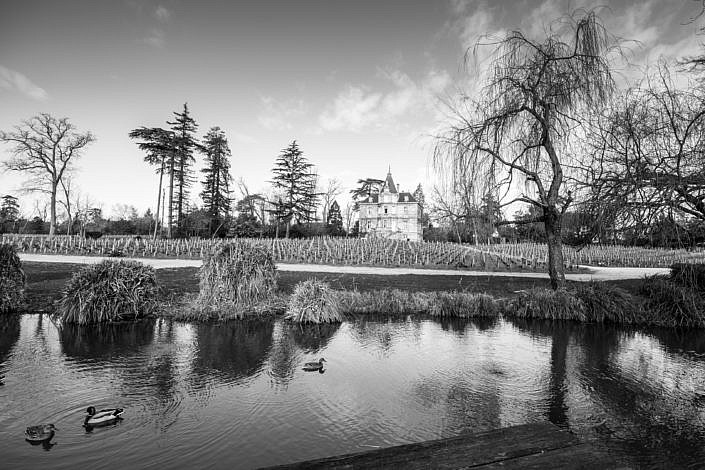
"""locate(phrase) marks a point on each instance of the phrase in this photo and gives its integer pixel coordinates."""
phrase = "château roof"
(403, 197)
(389, 184)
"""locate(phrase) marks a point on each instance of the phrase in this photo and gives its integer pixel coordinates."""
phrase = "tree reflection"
(559, 333)
(9, 334)
(105, 342)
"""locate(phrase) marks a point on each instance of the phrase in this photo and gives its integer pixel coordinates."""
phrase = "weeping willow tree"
(518, 138)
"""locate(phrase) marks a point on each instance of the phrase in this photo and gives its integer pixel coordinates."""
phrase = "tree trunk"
(556, 270)
(159, 195)
(52, 217)
(170, 218)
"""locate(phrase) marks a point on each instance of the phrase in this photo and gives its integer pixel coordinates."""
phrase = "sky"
(360, 85)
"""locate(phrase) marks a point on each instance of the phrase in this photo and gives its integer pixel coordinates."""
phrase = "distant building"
(391, 214)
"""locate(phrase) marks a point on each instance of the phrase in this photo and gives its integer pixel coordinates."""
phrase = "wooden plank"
(577, 457)
(499, 445)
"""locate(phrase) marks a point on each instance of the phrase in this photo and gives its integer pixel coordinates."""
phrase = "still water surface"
(234, 395)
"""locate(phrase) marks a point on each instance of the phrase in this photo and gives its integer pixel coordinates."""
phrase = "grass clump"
(12, 280)
(690, 275)
(313, 301)
(395, 302)
(108, 291)
(386, 301)
(237, 280)
(606, 303)
(549, 304)
(673, 304)
(462, 305)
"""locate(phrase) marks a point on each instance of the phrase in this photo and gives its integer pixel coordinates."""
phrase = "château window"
(385, 210)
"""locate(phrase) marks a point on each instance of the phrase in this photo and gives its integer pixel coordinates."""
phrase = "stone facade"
(391, 214)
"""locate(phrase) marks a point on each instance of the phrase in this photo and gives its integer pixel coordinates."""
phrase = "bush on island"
(234, 280)
(109, 291)
(12, 280)
(673, 304)
(313, 301)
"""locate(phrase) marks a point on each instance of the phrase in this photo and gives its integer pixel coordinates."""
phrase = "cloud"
(13, 80)
(278, 115)
(156, 38)
(359, 108)
(243, 138)
(162, 14)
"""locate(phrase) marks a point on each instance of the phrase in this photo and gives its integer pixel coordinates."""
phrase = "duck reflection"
(107, 343)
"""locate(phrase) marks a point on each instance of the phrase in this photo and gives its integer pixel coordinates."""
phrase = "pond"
(234, 395)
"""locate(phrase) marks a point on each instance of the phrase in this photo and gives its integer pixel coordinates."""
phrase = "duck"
(314, 366)
(102, 417)
(40, 433)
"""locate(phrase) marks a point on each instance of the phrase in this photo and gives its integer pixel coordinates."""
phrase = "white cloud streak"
(162, 14)
(156, 38)
(358, 108)
(279, 115)
(15, 81)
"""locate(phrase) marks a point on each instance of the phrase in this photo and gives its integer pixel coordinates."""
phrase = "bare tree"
(332, 189)
(44, 148)
(650, 151)
(535, 97)
(67, 190)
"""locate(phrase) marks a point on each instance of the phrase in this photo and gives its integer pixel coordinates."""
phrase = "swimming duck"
(102, 417)
(40, 433)
(313, 366)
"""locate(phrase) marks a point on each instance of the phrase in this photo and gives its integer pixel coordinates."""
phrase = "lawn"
(45, 281)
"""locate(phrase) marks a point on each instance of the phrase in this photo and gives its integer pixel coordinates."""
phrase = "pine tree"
(418, 195)
(216, 185)
(184, 128)
(294, 178)
(334, 224)
(9, 213)
(160, 146)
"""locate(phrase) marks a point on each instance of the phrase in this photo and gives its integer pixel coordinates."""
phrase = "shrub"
(313, 301)
(673, 304)
(689, 275)
(234, 279)
(550, 304)
(12, 280)
(109, 291)
(607, 303)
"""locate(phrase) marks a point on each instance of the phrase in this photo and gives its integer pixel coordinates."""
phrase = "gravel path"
(591, 273)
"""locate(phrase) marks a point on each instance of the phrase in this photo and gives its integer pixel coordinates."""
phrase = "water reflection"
(105, 343)
(194, 389)
(312, 338)
(9, 334)
(232, 351)
(624, 387)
